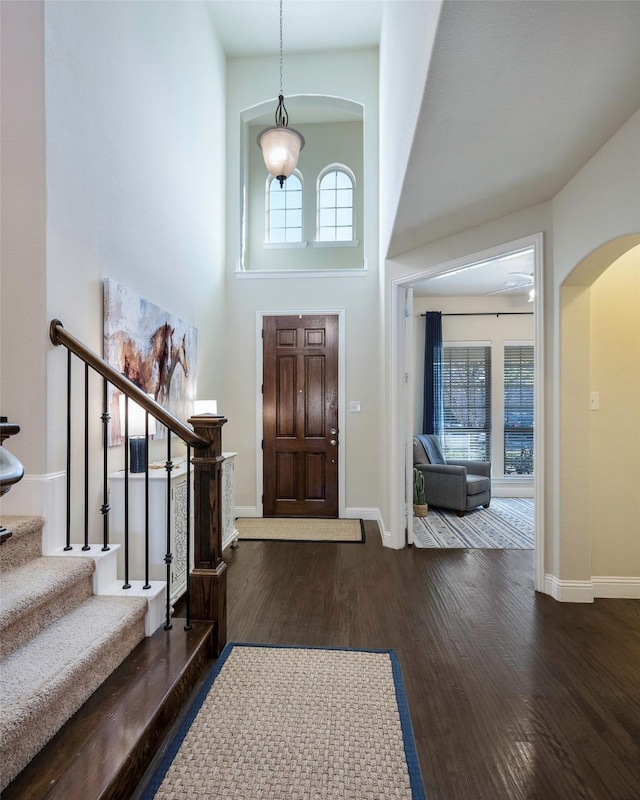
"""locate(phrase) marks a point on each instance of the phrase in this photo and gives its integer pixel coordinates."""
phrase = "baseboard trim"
(43, 495)
(568, 591)
(616, 587)
(362, 513)
(246, 511)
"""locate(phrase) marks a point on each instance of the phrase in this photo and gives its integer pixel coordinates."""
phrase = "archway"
(599, 431)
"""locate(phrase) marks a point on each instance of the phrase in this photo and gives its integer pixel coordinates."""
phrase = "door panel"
(300, 411)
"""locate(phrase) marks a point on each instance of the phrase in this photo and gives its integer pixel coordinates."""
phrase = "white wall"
(353, 76)
(406, 45)
(135, 170)
(596, 219)
(134, 144)
(615, 428)
(22, 258)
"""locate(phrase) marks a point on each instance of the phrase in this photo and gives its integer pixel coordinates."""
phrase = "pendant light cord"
(282, 118)
(281, 92)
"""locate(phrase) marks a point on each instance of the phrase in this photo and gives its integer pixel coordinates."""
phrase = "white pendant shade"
(281, 148)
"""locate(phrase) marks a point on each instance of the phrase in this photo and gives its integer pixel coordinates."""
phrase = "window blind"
(518, 409)
(467, 402)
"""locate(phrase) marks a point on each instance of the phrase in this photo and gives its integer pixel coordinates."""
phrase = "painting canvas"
(152, 348)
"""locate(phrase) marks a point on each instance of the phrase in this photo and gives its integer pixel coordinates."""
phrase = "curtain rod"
(489, 314)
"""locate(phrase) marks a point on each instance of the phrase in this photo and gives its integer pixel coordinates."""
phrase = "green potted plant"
(420, 507)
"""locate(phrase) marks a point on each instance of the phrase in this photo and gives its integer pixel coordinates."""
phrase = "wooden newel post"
(208, 578)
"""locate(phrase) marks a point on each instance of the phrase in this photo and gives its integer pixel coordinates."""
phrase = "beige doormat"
(290, 723)
(294, 529)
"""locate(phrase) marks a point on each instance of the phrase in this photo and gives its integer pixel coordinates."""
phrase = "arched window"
(284, 210)
(335, 204)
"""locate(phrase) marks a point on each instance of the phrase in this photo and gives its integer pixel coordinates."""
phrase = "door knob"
(333, 442)
(333, 431)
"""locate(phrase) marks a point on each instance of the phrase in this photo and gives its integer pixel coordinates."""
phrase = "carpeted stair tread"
(47, 680)
(26, 542)
(39, 592)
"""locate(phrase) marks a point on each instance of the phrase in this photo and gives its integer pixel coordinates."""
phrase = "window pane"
(294, 219)
(327, 198)
(344, 216)
(344, 234)
(344, 197)
(343, 181)
(285, 211)
(467, 402)
(276, 197)
(277, 219)
(329, 181)
(327, 235)
(518, 409)
(327, 217)
(277, 236)
(294, 199)
(294, 234)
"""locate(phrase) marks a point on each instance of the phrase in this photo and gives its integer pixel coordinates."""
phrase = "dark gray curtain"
(433, 409)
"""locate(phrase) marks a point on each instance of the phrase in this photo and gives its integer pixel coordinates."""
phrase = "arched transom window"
(284, 210)
(335, 205)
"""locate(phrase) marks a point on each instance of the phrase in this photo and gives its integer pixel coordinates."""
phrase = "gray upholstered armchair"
(455, 484)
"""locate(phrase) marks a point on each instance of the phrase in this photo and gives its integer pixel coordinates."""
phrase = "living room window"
(518, 409)
(284, 210)
(467, 401)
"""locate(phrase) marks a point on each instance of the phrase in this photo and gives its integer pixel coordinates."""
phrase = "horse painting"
(158, 358)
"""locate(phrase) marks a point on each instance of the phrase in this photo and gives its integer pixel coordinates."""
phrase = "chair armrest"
(443, 469)
(445, 485)
(474, 467)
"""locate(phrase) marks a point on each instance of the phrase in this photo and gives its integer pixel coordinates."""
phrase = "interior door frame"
(305, 312)
(399, 408)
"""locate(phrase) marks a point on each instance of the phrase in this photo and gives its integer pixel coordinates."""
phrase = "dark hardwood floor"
(512, 694)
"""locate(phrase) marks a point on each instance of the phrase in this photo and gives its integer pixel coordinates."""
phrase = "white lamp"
(137, 433)
(201, 407)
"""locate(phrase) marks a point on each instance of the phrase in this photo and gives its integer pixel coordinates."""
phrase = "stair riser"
(27, 727)
(24, 545)
(39, 617)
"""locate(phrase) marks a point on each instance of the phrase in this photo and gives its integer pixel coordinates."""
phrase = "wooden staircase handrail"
(60, 336)
(208, 578)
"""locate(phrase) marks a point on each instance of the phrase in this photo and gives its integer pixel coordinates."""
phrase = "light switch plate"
(595, 401)
(354, 405)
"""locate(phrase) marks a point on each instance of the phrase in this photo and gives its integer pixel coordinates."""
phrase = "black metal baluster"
(147, 585)
(68, 532)
(169, 556)
(187, 625)
(86, 546)
(126, 585)
(105, 508)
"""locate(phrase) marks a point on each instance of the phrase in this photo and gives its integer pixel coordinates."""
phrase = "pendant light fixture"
(280, 144)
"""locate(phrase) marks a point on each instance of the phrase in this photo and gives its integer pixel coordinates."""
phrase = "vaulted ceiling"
(520, 95)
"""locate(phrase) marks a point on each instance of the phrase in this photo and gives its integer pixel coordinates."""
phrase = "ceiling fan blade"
(525, 275)
(508, 288)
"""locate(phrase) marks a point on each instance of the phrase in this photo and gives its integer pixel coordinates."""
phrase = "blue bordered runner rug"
(294, 723)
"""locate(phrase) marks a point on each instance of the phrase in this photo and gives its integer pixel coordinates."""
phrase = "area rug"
(294, 723)
(506, 525)
(292, 529)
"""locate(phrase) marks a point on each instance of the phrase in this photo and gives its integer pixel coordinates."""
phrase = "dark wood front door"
(300, 416)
